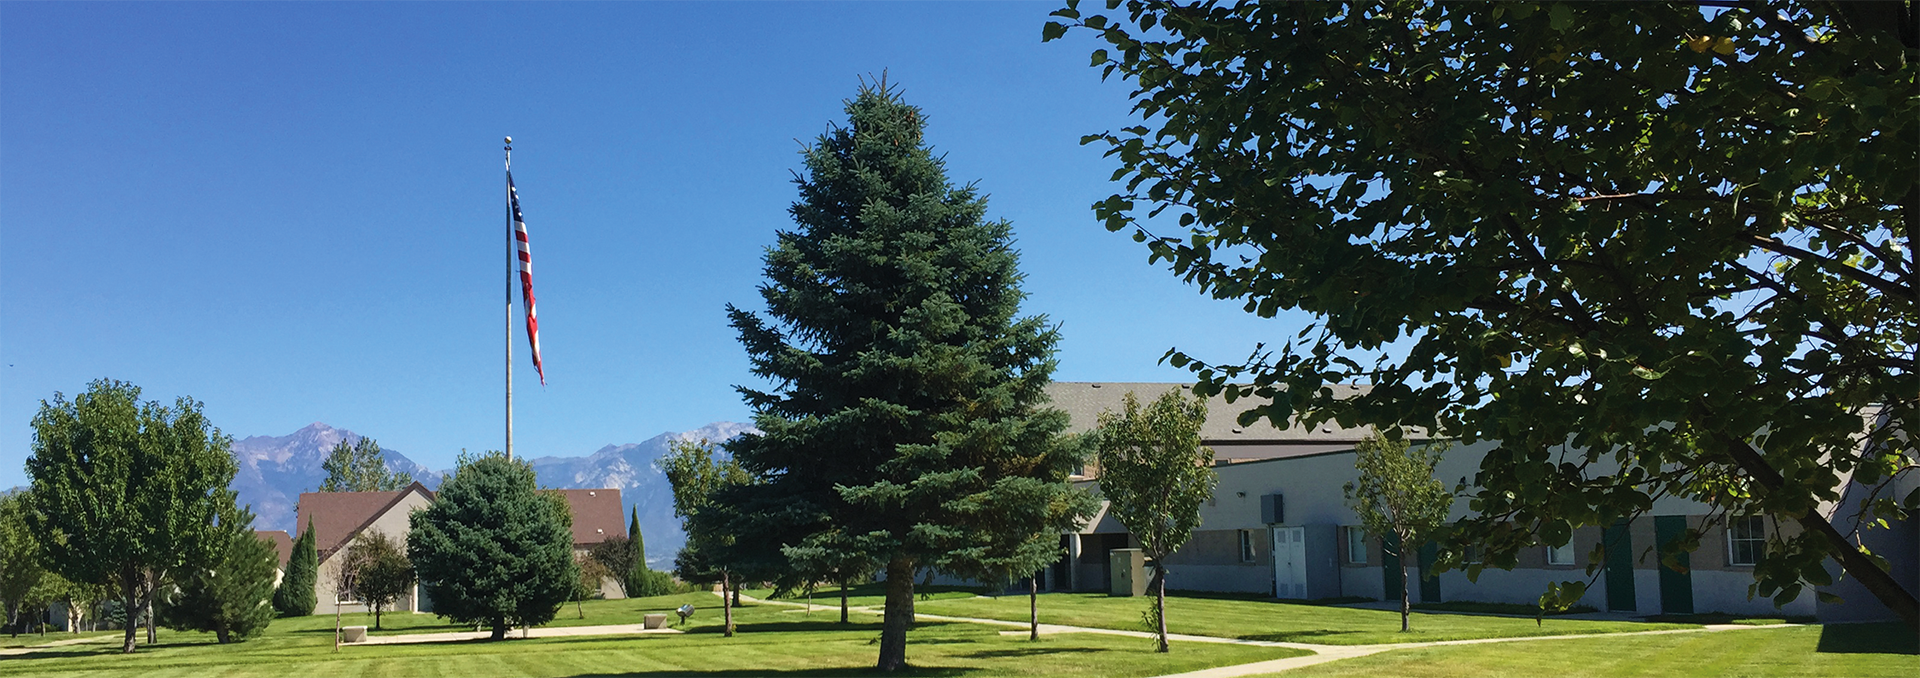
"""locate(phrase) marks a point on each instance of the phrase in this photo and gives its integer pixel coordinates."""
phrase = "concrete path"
(542, 632)
(16, 651)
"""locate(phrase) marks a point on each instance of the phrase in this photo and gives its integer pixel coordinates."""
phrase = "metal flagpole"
(510, 267)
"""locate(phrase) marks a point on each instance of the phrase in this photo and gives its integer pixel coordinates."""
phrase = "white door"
(1289, 562)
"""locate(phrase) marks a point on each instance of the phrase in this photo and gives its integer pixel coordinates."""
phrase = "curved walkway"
(1321, 653)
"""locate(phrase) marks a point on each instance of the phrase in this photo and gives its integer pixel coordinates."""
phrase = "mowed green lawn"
(772, 641)
(1268, 620)
(1852, 650)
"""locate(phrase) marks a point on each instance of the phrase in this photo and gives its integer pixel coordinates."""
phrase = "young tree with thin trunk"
(1155, 473)
(383, 573)
(126, 491)
(909, 389)
(1396, 494)
(696, 474)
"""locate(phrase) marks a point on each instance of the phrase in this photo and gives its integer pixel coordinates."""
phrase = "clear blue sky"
(293, 212)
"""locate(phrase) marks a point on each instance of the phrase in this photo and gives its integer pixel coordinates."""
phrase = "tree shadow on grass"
(1293, 636)
(1029, 652)
(806, 626)
(797, 673)
(1876, 638)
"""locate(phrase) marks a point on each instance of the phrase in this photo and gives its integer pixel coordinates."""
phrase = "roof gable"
(337, 517)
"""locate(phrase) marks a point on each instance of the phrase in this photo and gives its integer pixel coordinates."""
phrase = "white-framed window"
(1470, 554)
(1560, 555)
(1746, 539)
(1246, 546)
(1356, 545)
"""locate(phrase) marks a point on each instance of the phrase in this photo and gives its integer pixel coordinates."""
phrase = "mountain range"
(274, 470)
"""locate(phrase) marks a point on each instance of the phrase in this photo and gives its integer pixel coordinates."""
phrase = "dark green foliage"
(229, 596)
(907, 419)
(382, 573)
(20, 567)
(296, 596)
(639, 542)
(126, 491)
(360, 467)
(615, 555)
(491, 550)
(1681, 239)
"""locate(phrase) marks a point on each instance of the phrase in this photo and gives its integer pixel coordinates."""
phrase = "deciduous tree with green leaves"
(1396, 494)
(20, 556)
(229, 595)
(382, 572)
(696, 474)
(126, 492)
(360, 467)
(1154, 474)
(1653, 249)
(296, 596)
(909, 396)
(492, 549)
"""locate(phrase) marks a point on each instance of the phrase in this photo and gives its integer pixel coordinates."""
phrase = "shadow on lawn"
(1029, 652)
(823, 673)
(1876, 638)
(1293, 636)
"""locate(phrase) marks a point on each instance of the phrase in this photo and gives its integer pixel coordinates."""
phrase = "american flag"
(526, 276)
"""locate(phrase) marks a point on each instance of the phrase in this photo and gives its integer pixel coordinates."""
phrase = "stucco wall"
(393, 523)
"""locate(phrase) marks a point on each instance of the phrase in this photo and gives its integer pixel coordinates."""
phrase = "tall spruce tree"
(907, 409)
(227, 595)
(296, 596)
(491, 549)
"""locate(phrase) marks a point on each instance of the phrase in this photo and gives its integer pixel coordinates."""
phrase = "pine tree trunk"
(499, 629)
(726, 603)
(843, 602)
(1160, 603)
(1033, 608)
(899, 615)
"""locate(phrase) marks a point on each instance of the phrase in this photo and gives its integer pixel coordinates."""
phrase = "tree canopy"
(492, 550)
(360, 467)
(20, 568)
(1675, 239)
(229, 595)
(909, 387)
(382, 573)
(126, 491)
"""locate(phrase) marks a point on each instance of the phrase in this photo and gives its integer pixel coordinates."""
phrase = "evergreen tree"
(296, 597)
(491, 549)
(227, 596)
(361, 467)
(907, 409)
(126, 491)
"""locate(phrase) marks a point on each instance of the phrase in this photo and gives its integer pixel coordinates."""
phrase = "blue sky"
(293, 212)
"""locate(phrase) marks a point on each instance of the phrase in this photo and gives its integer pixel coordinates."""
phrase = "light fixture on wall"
(1241, 495)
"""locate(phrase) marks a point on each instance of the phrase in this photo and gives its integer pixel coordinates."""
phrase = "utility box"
(1128, 572)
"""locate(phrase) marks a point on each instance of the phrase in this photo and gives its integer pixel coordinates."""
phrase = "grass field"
(772, 641)
(1852, 650)
(1265, 620)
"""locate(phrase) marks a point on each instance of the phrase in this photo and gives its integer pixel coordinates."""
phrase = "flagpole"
(510, 267)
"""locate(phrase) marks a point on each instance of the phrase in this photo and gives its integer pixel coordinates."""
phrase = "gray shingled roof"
(1084, 401)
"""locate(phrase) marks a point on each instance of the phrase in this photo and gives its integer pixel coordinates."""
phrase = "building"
(1278, 524)
(338, 518)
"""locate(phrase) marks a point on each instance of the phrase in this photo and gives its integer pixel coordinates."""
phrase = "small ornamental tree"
(382, 573)
(615, 558)
(491, 549)
(230, 595)
(126, 491)
(296, 596)
(1155, 473)
(360, 467)
(696, 475)
(1396, 494)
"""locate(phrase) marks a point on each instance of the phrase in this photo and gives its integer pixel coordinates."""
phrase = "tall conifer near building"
(907, 405)
(296, 596)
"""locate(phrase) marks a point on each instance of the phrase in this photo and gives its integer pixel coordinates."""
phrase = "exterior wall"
(609, 587)
(393, 523)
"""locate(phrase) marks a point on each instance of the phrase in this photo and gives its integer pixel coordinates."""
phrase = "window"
(1246, 546)
(1746, 539)
(1470, 554)
(1356, 545)
(345, 594)
(1560, 555)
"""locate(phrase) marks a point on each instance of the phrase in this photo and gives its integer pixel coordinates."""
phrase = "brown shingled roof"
(282, 543)
(338, 516)
(597, 515)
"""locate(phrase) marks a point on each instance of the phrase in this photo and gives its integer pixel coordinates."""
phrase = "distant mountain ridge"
(274, 470)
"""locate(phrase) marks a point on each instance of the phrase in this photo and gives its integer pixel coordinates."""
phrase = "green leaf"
(1099, 57)
(1560, 16)
(1052, 30)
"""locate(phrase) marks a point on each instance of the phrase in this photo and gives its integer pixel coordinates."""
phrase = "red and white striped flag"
(526, 277)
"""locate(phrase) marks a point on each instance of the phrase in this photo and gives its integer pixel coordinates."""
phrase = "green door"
(1676, 586)
(1390, 566)
(1619, 568)
(1429, 580)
